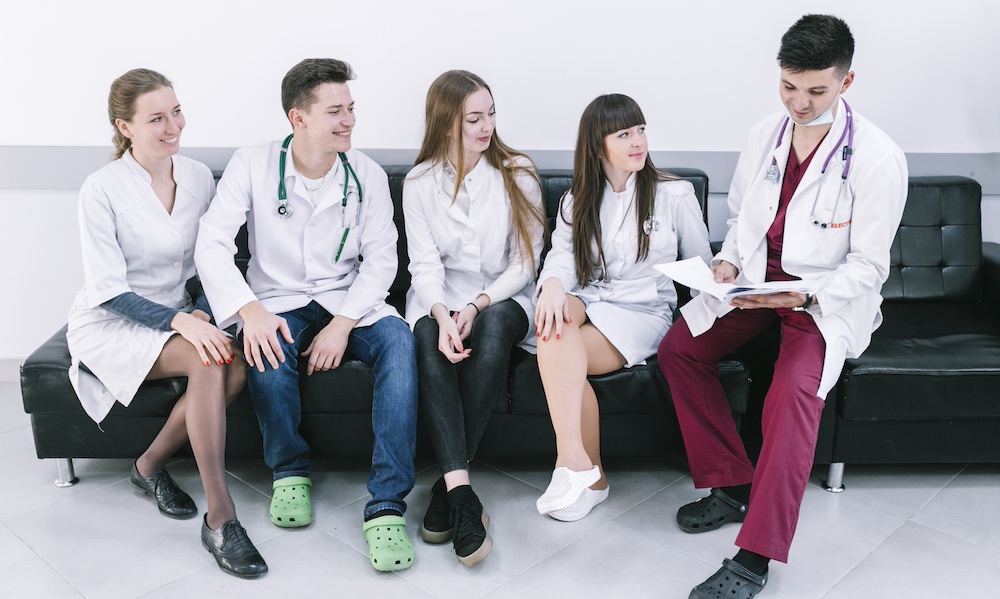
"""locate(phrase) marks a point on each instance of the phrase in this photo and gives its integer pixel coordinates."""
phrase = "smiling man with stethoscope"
(313, 207)
(817, 195)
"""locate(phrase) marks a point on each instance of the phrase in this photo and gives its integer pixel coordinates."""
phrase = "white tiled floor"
(913, 532)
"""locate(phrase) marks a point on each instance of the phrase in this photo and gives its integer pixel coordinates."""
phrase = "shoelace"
(235, 539)
(468, 521)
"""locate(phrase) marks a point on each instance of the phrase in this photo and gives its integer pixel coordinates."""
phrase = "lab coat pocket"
(660, 235)
(832, 237)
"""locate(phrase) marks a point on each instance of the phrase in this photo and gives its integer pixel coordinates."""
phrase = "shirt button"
(175, 233)
(177, 264)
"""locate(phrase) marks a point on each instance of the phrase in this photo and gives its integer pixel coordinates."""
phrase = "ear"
(847, 81)
(295, 118)
(123, 127)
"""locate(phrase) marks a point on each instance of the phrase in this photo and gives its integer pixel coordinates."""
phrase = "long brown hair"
(602, 117)
(444, 113)
(125, 90)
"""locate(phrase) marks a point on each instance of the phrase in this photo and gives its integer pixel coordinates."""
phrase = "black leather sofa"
(636, 412)
(927, 390)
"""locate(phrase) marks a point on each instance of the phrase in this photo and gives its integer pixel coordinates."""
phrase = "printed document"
(695, 274)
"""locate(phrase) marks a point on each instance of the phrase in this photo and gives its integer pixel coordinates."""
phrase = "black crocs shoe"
(437, 526)
(731, 581)
(709, 513)
(472, 543)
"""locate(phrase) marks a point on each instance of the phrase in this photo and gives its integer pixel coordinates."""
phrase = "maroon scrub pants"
(789, 425)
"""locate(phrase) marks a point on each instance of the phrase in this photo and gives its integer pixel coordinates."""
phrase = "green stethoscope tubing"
(283, 209)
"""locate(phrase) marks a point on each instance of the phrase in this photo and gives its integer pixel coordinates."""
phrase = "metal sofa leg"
(834, 482)
(64, 467)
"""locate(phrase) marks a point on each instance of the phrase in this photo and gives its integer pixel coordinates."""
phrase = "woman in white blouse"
(474, 226)
(601, 305)
(138, 223)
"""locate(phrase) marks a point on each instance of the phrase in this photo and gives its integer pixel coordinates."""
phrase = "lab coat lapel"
(445, 188)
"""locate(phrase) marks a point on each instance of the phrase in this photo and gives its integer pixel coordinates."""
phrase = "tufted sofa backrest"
(937, 253)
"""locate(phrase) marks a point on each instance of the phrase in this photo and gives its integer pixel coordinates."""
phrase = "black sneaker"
(437, 525)
(472, 543)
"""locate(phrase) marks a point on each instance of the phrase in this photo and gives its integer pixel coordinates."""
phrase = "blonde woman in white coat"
(134, 321)
(601, 304)
(474, 226)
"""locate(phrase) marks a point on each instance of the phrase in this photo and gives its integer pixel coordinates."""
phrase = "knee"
(425, 334)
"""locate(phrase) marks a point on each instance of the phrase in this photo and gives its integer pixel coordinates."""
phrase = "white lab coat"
(130, 243)
(293, 260)
(453, 256)
(634, 308)
(847, 265)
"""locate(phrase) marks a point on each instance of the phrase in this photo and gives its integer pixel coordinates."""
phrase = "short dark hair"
(298, 85)
(816, 43)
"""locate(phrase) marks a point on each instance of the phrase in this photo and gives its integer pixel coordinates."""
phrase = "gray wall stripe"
(55, 167)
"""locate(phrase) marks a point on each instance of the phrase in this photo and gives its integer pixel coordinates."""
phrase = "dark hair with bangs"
(602, 117)
(816, 43)
(299, 83)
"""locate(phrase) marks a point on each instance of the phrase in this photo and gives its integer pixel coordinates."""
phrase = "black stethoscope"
(285, 209)
(847, 152)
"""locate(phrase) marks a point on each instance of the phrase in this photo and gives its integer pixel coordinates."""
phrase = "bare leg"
(200, 414)
(564, 365)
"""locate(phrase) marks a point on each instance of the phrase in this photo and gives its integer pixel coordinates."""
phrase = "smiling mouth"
(171, 140)
(342, 134)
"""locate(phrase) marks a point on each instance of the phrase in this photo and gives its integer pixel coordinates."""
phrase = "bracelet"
(805, 305)
(474, 306)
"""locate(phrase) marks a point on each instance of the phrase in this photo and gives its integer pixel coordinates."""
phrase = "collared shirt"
(295, 260)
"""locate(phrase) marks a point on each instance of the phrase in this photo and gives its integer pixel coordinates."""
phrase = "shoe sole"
(144, 493)
(436, 537)
(478, 555)
(712, 526)
(230, 572)
(556, 515)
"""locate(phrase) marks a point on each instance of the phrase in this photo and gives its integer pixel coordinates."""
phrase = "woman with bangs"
(474, 228)
(601, 305)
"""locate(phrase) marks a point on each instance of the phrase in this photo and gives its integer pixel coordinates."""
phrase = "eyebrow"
(159, 113)
(339, 105)
(492, 107)
(815, 87)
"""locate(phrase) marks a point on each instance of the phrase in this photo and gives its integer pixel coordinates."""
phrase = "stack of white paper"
(695, 274)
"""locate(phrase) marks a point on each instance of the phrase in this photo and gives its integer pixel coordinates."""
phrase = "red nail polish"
(207, 363)
(538, 334)
(220, 362)
(546, 338)
(229, 360)
(557, 336)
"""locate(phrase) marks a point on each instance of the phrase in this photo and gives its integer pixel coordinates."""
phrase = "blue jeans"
(388, 348)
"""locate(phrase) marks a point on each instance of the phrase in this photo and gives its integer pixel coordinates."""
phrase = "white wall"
(703, 72)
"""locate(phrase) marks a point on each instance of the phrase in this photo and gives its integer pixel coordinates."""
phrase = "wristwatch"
(805, 305)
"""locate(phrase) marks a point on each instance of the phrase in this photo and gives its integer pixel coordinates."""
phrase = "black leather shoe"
(232, 549)
(172, 502)
(437, 526)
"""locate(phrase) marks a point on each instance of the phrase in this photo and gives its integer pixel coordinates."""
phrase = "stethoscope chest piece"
(285, 209)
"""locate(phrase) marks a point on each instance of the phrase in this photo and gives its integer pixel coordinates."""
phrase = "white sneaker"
(588, 500)
(565, 488)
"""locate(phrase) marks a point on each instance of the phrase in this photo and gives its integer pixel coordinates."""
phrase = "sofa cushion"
(927, 361)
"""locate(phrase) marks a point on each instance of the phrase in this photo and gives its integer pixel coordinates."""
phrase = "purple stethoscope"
(847, 153)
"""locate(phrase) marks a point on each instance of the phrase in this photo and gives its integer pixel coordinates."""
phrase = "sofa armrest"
(991, 273)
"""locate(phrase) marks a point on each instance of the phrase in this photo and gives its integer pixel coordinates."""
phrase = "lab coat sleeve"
(215, 248)
(559, 262)
(737, 189)
(879, 198)
(104, 266)
(521, 269)
(692, 235)
(426, 269)
(378, 246)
